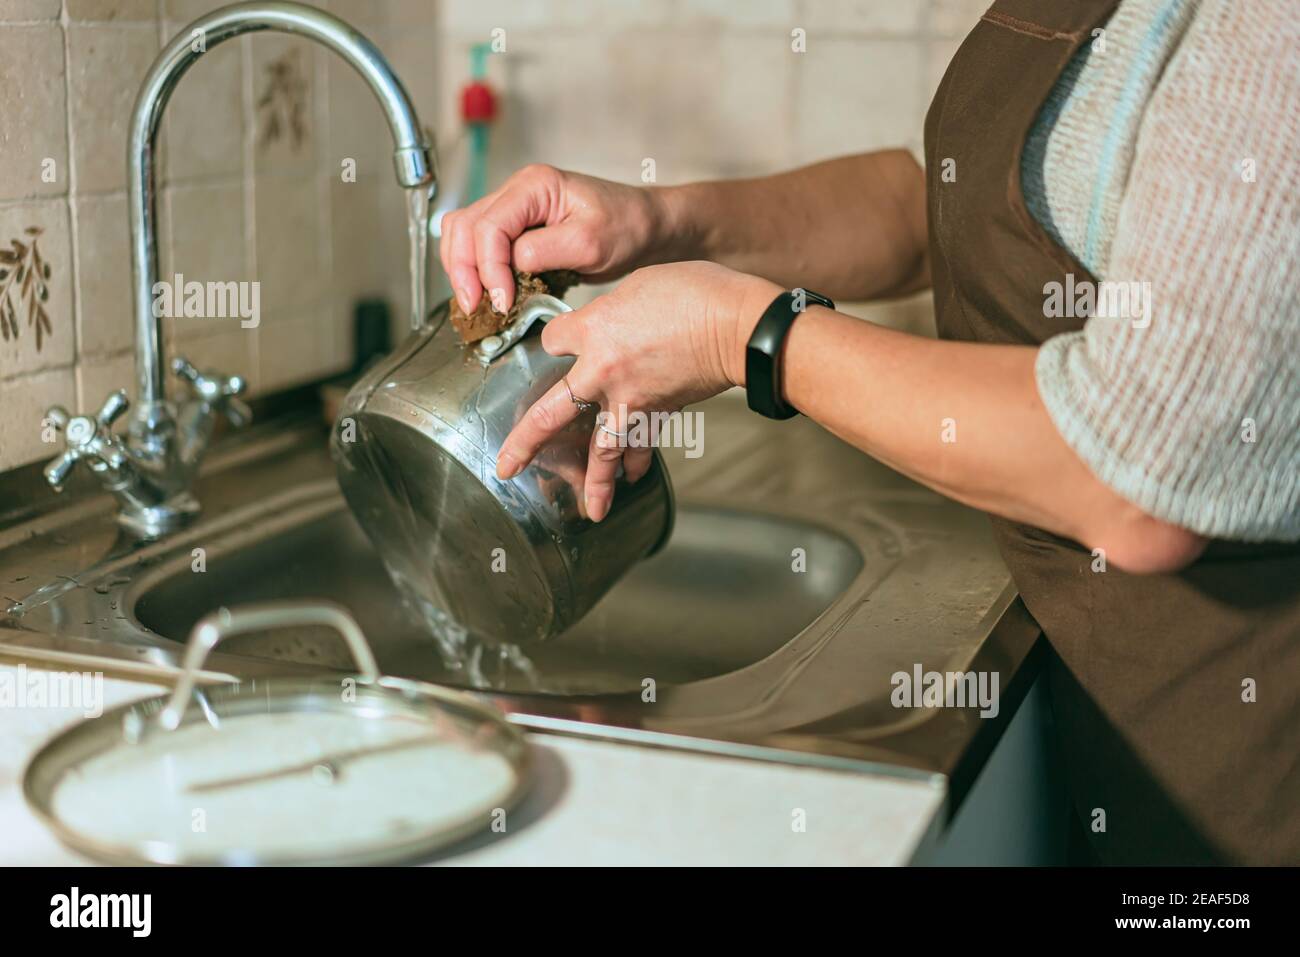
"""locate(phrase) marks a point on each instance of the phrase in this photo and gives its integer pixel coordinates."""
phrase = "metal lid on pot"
(355, 769)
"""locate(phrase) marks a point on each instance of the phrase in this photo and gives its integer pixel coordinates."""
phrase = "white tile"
(409, 51)
(203, 128)
(361, 266)
(100, 376)
(289, 266)
(365, 15)
(609, 105)
(112, 10)
(294, 349)
(33, 122)
(107, 63)
(880, 17)
(417, 14)
(207, 244)
(748, 123)
(474, 18)
(956, 18)
(228, 353)
(105, 316)
(358, 134)
(26, 400)
(775, 15)
(20, 10)
(856, 95)
(588, 15)
(188, 10)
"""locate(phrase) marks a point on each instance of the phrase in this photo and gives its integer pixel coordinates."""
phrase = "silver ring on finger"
(614, 432)
(583, 404)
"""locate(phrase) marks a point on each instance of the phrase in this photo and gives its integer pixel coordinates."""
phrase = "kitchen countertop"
(711, 770)
(930, 592)
(598, 803)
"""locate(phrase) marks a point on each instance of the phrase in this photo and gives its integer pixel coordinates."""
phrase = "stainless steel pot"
(416, 445)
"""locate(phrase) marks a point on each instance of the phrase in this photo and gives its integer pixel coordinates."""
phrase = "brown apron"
(1166, 762)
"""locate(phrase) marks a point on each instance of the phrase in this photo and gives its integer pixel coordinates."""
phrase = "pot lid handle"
(225, 622)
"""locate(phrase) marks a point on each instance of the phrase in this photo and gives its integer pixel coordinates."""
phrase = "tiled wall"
(251, 160)
(706, 88)
(257, 131)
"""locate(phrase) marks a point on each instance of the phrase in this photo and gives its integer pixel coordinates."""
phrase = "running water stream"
(419, 202)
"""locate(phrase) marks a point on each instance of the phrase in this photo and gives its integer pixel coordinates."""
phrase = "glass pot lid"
(353, 769)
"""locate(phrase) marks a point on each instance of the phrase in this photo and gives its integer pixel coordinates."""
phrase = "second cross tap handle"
(112, 409)
(219, 391)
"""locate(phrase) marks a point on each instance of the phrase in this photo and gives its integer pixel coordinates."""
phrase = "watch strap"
(763, 384)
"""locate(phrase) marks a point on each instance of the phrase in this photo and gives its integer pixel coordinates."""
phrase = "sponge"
(485, 321)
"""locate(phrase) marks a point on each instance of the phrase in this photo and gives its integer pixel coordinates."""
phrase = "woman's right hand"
(600, 229)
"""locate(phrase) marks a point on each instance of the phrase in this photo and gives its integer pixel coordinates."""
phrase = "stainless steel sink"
(718, 644)
(721, 596)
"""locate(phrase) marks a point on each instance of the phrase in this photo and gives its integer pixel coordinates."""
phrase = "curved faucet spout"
(413, 157)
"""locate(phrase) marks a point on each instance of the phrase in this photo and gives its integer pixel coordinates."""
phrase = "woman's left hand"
(667, 336)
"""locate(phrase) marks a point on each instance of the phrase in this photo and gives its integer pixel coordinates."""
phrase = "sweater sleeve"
(1192, 411)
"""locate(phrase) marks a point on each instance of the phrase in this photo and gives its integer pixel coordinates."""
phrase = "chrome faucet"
(152, 469)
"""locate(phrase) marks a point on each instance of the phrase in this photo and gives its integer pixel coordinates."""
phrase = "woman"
(1142, 458)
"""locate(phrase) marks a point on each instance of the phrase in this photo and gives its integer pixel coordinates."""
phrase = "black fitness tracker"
(763, 353)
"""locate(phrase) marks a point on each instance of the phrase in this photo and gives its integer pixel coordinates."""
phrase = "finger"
(457, 253)
(563, 476)
(562, 335)
(527, 204)
(566, 246)
(543, 420)
(444, 247)
(636, 462)
(447, 226)
(458, 259)
(446, 230)
(561, 470)
(603, 462)
(492, 249)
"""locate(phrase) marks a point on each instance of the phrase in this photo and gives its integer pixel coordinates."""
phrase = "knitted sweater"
(1170, 156)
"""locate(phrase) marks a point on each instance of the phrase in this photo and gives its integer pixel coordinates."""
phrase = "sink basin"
(749, 657)
(721, 596)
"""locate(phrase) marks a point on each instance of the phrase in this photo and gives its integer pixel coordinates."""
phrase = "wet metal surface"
(717, 644)
(478, 559)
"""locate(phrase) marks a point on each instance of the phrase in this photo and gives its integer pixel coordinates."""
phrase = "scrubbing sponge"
(486, 321)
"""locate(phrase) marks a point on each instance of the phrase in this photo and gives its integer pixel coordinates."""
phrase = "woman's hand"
(602, 230)
(666, 337)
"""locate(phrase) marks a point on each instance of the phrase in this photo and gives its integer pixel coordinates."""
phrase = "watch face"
(287, 786)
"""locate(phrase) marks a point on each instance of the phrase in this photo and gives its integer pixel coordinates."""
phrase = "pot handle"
(535, 307)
